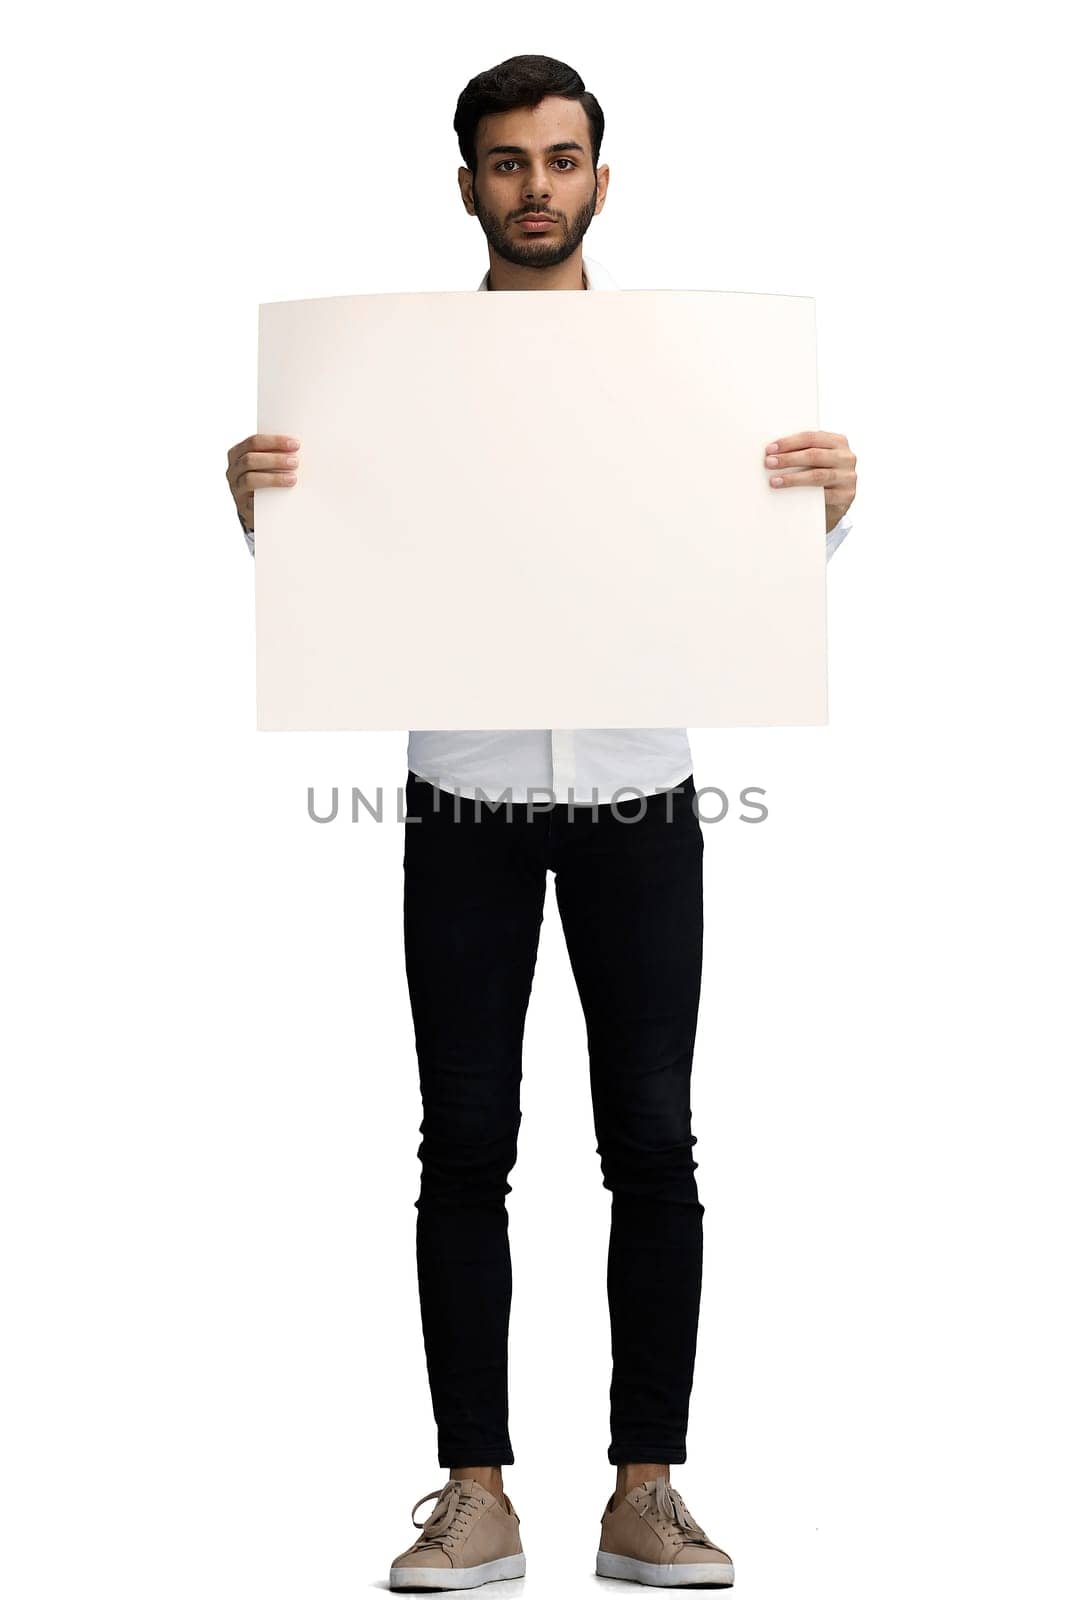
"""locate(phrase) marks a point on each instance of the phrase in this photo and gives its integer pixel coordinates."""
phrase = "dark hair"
(521, 81)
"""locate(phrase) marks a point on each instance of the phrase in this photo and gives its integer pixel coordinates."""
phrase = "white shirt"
(580, 765)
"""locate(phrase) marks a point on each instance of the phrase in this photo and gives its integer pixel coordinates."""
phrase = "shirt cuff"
(834, 538)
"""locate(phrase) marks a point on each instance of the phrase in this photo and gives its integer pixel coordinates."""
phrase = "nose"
(536, 187)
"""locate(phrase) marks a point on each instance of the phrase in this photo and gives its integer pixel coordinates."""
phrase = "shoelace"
(673, 1509)
(449, 1517)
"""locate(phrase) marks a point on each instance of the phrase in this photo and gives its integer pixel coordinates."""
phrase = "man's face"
(521, 172)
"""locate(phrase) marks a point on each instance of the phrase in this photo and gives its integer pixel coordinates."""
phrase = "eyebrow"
(520, 150)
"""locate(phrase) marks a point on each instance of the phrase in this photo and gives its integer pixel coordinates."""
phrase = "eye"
(509, 161)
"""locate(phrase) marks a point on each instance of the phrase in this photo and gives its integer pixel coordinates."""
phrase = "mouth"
(536, 224)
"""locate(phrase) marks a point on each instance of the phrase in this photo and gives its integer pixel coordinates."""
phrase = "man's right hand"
(263, 461)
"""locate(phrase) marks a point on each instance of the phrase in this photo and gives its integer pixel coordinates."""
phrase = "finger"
(259, 461)
(804, 458)
(267, 461)
(262, 442)
(251, 481)
(802, 441)
(813, 475)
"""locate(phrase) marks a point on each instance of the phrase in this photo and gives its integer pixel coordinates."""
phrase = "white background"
(213, 1378)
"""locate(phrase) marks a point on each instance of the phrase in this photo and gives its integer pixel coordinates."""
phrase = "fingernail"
(776, 482)
(292, 444)
(772, 461)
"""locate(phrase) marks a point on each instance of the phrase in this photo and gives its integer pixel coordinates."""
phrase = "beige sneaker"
(468, 1539)
(650, 1537)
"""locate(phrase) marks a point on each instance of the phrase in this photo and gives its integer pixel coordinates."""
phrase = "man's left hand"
(815, 458)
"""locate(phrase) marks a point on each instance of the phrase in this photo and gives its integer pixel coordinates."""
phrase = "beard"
(535, 250)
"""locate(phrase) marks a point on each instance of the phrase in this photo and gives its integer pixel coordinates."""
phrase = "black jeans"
(630, 893)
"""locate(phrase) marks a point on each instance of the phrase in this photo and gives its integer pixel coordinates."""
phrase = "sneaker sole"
(457, 1577)
(718, 1573)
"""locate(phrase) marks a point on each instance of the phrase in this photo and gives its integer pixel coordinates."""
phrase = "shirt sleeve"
(250, 536)
(834, 538)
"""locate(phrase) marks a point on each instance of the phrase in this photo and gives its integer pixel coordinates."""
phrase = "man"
(629, 889)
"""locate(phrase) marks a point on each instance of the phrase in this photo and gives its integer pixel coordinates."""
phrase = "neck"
(569, 274)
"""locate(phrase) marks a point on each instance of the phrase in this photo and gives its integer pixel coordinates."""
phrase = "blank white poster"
(531, 510)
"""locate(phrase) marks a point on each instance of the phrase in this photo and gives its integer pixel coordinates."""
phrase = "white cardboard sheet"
(531, 510)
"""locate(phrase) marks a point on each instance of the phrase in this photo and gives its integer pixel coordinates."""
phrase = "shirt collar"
(596, 276)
